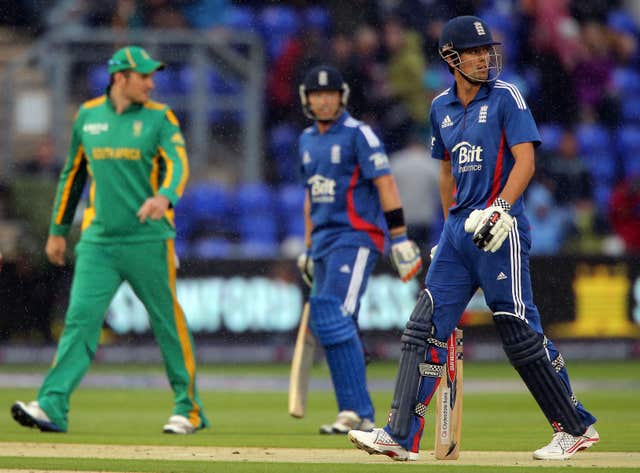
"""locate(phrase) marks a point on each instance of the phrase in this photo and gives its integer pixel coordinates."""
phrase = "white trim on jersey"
(352, 122)
(515, 93)
(445, 92)
(370, 136)
(516, 268)
(357, 276)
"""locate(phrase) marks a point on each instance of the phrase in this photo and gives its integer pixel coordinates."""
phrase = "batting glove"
(490, 226)
(405, 257)
(305, 265)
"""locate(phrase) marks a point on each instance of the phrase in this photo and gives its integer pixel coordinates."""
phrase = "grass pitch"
(493, 421)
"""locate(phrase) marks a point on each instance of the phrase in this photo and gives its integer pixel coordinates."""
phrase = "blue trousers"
(458, 269)
(339, 281)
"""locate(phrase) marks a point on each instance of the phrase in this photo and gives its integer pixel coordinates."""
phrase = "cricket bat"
(301, 362)
(449, 402)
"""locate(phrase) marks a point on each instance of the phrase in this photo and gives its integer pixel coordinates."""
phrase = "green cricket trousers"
(150, 268)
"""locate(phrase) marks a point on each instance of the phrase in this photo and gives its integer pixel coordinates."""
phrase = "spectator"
(567, 170)
(417, 176)
(625, 212)
(405, 68)
(550, 224)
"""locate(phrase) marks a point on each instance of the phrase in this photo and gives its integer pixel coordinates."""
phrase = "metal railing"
(62, 59)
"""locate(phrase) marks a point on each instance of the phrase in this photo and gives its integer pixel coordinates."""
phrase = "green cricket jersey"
(128, 158)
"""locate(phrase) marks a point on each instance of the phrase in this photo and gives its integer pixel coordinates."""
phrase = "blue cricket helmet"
(323, 78)
(466, 32)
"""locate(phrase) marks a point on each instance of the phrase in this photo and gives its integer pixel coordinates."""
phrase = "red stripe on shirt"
(497, 174)
(357, 222)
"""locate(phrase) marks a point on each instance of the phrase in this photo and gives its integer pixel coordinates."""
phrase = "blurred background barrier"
(249, 311)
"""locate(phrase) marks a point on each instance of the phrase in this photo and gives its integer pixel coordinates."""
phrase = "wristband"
(503, 204)
(394, 218)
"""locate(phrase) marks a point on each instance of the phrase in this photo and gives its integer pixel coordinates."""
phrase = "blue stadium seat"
(592, 137)
(212, 248)
(283, 147)
(97, 79)
(207, 205)
(317, 17)
(256, 219)
(629, 149)
(278, 23)
(602, 195)
(627, 80)
(550, 135)
(631, 109)
(291, 210)
(254, 198)
(240, 18)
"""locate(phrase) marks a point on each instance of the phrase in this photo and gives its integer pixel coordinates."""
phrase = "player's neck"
(119, 100)
(466, 90)
(324, 125)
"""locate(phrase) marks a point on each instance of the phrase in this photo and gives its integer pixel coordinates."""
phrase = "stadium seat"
(629, 149)
(631, 109)
(283, 147)
(240, 18)
(278, 23)
(550, 135)
(317, 17)
(256, 219)
(593, 138)
(291, 210)
(212, 248)
(626, 80)
(97, 79)
(208, 206)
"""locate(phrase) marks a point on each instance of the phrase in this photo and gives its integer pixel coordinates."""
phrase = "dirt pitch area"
(291, 455)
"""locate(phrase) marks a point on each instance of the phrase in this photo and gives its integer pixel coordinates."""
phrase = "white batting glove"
(490, 226)
(432, 253)
(405, 257)
(305, 265)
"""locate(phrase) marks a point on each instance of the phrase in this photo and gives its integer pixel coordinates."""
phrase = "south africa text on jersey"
(132, 154)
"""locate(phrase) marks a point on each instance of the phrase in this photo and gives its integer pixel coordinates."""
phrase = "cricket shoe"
(379, 442)
(32, 415)
(346, 421)
(564, 445)
(180, 425)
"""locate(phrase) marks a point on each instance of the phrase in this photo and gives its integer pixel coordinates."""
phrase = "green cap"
(133, 58)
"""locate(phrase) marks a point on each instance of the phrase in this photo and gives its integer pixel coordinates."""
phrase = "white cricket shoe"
(346, 421)
(379, 442)
(564, 445)
(32, 415)
(179, 425)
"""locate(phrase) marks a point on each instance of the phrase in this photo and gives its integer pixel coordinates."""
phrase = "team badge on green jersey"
(137, 128)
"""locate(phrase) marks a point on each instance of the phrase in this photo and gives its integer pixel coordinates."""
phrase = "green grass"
(492, 421)
(609, 370)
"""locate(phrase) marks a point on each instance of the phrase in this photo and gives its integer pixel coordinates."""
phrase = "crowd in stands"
(577, 62)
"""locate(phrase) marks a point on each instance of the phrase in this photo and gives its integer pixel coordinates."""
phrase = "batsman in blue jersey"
(352, 209)
(485, 136)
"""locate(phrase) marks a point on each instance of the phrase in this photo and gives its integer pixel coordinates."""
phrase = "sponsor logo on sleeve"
(380, 161)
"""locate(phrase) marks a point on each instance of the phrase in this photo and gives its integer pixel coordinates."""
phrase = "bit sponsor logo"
(323, 189)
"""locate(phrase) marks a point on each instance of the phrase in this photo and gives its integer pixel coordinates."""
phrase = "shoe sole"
(389, 453)
(23, 418)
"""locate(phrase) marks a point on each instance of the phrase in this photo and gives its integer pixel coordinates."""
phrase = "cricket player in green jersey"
(132, 151)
